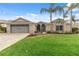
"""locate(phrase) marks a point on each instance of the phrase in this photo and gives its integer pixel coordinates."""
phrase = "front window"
(59, 28)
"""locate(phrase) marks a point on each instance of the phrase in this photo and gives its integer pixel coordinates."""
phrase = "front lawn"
(49, 45)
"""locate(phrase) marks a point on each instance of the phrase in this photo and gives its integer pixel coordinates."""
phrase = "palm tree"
(61, 10)
(70, 8)
(49, 10)
(73, 19)
(53, 9)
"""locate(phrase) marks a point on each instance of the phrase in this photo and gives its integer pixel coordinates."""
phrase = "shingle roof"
(3, 21)
(20, 18)
(58, 20)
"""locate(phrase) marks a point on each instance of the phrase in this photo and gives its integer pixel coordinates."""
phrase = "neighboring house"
(21, 25)
(3, 23)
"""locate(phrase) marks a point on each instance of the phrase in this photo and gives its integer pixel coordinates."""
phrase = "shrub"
(36, 32)
(33, 34)
(74, 30)
(2, 29)
(59, 32)
(49, 32)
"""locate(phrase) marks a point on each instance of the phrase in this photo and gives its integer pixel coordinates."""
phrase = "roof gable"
(58, 21)
(20, 20)
(3, 21)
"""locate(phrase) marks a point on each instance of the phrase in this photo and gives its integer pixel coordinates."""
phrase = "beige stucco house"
(21, 25)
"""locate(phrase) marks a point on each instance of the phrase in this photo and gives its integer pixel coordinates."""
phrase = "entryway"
(41, 28)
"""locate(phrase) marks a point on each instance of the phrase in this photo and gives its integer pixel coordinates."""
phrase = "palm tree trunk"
(63, 19)
(63, 14)
(51, 21)
(50, 17)
(71, 20)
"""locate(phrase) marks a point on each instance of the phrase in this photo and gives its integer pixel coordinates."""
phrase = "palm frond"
(72, 6)
(66, 12)
(73, 18)
(77, 4)
(44, 10)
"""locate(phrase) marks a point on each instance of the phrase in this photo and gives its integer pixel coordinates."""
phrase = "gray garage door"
(19, 28)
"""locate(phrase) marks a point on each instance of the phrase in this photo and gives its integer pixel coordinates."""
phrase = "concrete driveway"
(7, 40)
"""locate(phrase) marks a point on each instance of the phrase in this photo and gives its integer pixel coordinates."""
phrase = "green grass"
(45, 45)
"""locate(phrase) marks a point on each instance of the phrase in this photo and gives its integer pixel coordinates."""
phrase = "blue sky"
(30, 11)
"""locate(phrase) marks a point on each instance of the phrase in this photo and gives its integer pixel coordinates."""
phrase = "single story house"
(21, 25)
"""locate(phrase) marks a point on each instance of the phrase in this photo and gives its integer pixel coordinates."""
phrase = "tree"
(53, 9)
(73, 19)
(70, 8)
(61, 10)
(49, 10)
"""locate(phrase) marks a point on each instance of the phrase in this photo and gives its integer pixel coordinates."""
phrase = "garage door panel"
(19, 28)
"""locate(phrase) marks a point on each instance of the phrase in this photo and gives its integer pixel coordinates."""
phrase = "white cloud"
(37, 17)
(19, 16)
(69, 4)
(31, 14)
(34, 17)
(40, 17)
(75, 9)
(77, 16)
